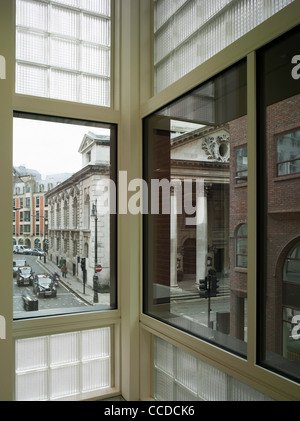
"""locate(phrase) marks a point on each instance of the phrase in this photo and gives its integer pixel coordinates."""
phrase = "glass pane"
(64, 172)
(279, 230)
(194, 211)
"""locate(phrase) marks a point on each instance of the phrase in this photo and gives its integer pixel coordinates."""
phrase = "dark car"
(24, 276)
(43, 286)
(37, 252)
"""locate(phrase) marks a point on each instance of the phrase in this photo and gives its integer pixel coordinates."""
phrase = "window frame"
(286, 174)
(237, 239)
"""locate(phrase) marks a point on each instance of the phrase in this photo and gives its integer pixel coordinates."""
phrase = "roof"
(90, 139)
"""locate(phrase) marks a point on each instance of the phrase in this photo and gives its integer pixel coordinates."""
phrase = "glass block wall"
(179, 376)
(189, 32)
(69, 365)
(63, 49)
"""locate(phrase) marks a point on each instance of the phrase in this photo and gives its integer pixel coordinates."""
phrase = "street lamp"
(46, 240)
(95, 277)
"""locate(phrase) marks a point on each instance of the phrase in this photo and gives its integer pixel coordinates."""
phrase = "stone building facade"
(75, 217)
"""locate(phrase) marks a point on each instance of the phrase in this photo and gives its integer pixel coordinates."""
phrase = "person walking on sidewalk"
(64, 270)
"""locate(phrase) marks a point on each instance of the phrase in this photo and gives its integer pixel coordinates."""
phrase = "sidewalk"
(74, 284)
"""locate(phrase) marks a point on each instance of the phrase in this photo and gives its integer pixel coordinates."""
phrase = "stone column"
(201, 231)
(173, 240)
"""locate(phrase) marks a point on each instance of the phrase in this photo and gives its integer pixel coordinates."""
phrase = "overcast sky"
(49, 147)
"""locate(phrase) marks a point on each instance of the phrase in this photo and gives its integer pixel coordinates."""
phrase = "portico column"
(173, 239)
(201, 231)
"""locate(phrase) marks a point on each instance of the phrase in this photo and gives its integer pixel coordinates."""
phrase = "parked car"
(43, 286)
(37, 252)
(24, 276)
(17, 264)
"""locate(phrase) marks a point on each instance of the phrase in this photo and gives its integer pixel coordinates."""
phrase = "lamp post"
(46, 239)
(95, 277)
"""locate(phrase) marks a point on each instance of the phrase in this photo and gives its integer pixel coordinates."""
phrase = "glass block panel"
(96, 6)
(31, 80)
(63, 85)
(243, 392)
(57, 34)
(33, 14)
(74, 3)
(63, 365)
(163, 355)
(163, 386)
(64, 348)
(186, 372)
(64, 381)
(183, 394)
(95, 374)
(213, 383)
(95, 60)
(32, 46)
(32, 386)
(31, 353)
(64, 53)
(210, 25)
(95, 29)
(95, 90)
(64, 21)
(191, 379)
(95, 343)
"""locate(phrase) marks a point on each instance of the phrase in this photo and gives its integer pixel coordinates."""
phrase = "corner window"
(288, 153)
(59, 235)
(193, 205)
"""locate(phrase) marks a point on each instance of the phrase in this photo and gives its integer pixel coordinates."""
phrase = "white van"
(20, 249)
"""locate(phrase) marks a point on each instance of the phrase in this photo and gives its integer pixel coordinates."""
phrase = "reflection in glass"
(190, 153)
(279, 230)
(288, 153)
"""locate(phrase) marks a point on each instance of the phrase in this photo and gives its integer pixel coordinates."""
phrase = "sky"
(47, 147)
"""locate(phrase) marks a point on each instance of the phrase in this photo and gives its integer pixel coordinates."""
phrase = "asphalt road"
(64, 299)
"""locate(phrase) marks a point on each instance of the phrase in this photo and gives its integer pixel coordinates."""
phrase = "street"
(64, 299)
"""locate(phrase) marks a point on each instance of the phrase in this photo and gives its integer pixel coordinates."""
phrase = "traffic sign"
(98, 268)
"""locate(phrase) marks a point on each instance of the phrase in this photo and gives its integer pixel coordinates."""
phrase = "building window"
(241, 165)
(26, 228)
(187, 241)
(279, 216)
(75, 186)
(242, 246)
(63, 50)
(27, 216)
(288, 153)
(27, 202)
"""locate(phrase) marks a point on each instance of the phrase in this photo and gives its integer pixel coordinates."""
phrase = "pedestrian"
(64, 270)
